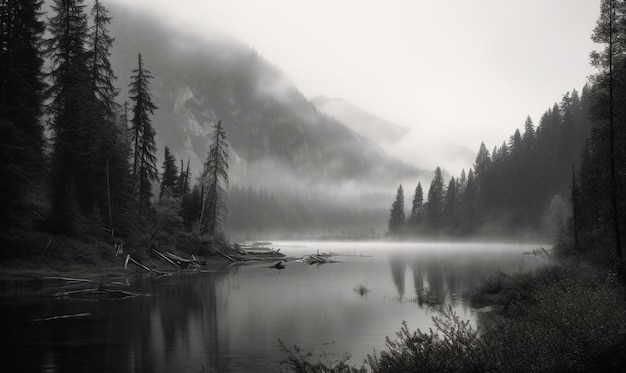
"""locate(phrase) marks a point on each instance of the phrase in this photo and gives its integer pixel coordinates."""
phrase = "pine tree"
(100, 44)
(170, 174)
(417, 207)
(144, 158)
(112, 122)
(436, 195)
(483, 162)
(470, 203)
(610, 98)
(182, 182)
(528, 140)
(515, 144)
(397, 216)
(73, 175)
(21, 96)
(450, 210)
(215, 181)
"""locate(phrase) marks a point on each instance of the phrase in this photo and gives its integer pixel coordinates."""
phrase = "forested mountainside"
(521, 187)
(271, 127)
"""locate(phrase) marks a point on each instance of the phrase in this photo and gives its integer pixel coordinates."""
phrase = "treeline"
(573, 165)
(509, 190)
(253, 213)
(94, 173)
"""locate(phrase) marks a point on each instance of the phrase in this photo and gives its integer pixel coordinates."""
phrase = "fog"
(456, 72)
(282, 144)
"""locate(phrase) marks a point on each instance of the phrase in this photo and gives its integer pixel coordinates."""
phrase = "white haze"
(457, 72)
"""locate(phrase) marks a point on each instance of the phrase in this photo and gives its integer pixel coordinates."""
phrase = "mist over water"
(231, 320)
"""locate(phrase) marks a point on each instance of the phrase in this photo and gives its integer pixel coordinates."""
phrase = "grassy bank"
(559, 318)
(28, 256)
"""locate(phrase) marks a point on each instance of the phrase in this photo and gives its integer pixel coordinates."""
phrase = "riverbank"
(567, 316)
(28, 258)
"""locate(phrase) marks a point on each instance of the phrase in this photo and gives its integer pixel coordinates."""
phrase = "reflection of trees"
(189, 315)
(142, 334)
(398, 268)
(418, 275)
(434, 275)
(454, 273)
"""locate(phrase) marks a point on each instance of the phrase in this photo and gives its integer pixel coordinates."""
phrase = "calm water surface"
(231, 320)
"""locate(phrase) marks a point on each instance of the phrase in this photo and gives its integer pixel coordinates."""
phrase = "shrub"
(299, 361)
(453, 346)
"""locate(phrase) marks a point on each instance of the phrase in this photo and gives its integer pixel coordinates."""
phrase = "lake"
(231, 320)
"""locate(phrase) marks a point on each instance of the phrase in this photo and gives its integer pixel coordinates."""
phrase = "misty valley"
(171, 201)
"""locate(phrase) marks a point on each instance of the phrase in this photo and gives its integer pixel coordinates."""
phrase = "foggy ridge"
(367, 124)
(272, 128)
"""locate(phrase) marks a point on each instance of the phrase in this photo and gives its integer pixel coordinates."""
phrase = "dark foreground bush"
(452, 346)
(305, 362)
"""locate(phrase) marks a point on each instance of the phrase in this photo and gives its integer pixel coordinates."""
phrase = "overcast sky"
(457, 72)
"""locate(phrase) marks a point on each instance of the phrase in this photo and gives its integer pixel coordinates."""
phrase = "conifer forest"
(171, 201)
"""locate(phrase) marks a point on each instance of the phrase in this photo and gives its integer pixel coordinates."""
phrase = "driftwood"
(317, 258)
(68, 279)
(96, 294)
(129, 259)
(226, 255)
(253, 252)
(162, 256)
(83, 314)
(178, 261)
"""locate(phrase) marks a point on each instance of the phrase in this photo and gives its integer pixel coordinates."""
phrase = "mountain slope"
(276, 134)
(359, 120)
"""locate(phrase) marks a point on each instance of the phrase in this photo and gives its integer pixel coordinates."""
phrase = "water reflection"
(174, 328)
(231, 320)
(398, 269)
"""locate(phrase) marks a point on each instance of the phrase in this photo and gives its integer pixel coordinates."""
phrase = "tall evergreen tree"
(112, 121)
(470, 203)
(397, 217)
(609, 100)
(182, 182)
(169, 176)
(215, 180)
(73, 174)
(483, 162)
(417, 207)
(528, 139)
(21, 96)
(144, 158)
(436, 196)
(450, 210)
(100, 44)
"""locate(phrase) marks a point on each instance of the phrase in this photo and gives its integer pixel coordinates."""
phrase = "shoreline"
(24, 278)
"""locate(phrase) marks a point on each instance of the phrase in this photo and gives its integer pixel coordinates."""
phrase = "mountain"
(367, 124)
(277, 136)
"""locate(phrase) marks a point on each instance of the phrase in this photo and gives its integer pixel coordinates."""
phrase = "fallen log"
(182, 262)
(96, 294)
(164, 257)
(68, 279)
(129, 259)
(226, 255)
